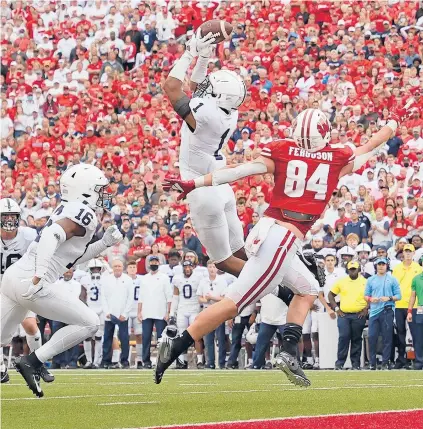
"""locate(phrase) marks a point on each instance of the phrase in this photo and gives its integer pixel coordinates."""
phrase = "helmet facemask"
(204, 89)
(10, 221)
(104, 198)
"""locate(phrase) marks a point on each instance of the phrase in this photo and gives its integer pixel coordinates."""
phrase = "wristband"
(410, 311)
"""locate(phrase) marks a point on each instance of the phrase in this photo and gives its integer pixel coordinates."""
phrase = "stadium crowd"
(81, 82)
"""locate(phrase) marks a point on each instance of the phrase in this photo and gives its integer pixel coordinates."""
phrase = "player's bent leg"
(55, 304)
(34, 341)
(260, 276)
(232, 265)
(11, 315)
(208, 212)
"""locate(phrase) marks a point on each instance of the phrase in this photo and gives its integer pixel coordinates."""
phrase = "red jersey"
(304, 181)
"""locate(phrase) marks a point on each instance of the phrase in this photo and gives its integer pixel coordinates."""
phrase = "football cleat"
(88, 365)
(30, 374)
(4, 376)
(46, 375)
(292, 369)
(181, 365)
(200, 365)
(167, 354)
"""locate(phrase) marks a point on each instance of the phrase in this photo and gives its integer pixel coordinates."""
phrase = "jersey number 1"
(296, 182)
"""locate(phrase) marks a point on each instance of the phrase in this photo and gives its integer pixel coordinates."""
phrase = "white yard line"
(295, 389)
(128, 403)
(198, 384)
(279, 419)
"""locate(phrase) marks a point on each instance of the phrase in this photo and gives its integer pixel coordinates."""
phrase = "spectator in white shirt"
(117, 295)
(165, 25)
(65, 45)
(80, 76)
(69, 358)
(210, 290)
(48, 16)
(417, 141)
(154, 303)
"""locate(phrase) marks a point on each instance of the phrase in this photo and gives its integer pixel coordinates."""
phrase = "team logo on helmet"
(323, 127)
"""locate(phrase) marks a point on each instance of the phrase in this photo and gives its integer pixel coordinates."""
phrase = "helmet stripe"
(302, 130)
(308, 139)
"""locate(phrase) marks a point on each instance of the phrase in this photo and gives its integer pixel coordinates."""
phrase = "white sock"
(138, 349)
(34, 341)
(310, 360)
(250, 361)
(200, 358)
(316, 360)
(115, 355)
(62, 340)
(88, 351)
(98, 352)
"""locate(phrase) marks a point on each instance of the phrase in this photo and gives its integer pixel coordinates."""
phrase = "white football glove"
(198, 45)
(33, 291)
(205, 45)
(112, 236)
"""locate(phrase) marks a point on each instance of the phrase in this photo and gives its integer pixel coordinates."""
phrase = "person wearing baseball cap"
(351, 312)
(382, 291)
(404, 272)
(415, 316)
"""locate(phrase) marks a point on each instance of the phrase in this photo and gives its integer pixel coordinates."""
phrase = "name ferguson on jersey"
(296, 151)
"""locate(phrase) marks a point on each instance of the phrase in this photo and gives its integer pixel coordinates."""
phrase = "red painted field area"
(412, 419)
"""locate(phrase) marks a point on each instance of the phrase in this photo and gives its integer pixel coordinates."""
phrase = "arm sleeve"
(51, 238)
(228, 175)
(92, 251)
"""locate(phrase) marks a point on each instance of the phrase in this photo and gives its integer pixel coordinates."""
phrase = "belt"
(300, 217)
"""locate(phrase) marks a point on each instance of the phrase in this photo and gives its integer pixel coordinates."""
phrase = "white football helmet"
(10, 214)
(85, 183)
(95, 267)
(311, 130)
(363, 247)
(225, 86)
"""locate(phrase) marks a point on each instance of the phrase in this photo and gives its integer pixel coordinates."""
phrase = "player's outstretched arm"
(173, 84)
(365, 152)
(260, 165)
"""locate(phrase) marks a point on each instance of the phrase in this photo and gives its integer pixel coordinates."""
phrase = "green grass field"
(109, 399)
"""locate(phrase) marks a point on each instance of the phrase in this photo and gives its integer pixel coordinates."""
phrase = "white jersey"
(13, 250)
(69, 252)
(198, 270)
(201, 150)
(137, 284)
(188, 298)
(93, 288)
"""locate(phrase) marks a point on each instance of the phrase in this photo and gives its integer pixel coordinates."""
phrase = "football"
(222, 29)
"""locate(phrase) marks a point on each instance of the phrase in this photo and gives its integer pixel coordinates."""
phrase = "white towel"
(257, 235)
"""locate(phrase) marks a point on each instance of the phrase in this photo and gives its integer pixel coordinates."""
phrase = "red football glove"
(182, 186)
